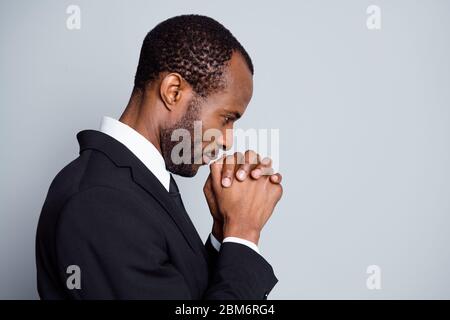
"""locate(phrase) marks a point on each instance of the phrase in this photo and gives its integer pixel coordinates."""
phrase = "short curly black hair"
(197, 47)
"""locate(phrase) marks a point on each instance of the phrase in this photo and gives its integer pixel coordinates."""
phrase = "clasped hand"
(242, 191)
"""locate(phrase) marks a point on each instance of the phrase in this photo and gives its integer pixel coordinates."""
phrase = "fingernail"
(256, 173)
(226, 182)
(274, 178)
(265, 161)
(241, 174)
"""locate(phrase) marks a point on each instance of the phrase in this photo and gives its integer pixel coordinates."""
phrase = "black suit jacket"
(106, 213)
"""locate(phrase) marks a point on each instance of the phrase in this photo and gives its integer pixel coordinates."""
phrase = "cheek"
(212, 129)
(212, 139)
(212, 123)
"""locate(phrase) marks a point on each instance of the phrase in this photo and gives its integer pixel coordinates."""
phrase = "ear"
(171, 89)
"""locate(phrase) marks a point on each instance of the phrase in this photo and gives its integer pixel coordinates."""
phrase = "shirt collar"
(142, 148)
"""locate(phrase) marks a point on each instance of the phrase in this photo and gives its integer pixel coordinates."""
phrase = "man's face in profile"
(215, 113)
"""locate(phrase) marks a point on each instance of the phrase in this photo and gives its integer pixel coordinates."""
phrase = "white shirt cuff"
(216, 243)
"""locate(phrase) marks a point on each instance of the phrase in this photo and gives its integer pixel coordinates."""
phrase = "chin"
(187, 171)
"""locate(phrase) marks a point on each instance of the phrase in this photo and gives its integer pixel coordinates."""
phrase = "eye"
(227, 119)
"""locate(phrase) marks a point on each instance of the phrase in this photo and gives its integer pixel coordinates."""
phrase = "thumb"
(216, 173)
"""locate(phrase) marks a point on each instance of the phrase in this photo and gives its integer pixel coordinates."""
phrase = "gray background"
(363, 118)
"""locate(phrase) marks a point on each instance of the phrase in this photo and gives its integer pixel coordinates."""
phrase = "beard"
(191, 163)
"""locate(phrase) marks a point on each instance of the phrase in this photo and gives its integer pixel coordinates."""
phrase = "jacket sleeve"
(240, 273)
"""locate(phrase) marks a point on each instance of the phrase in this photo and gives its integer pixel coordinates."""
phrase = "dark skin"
(166, 100)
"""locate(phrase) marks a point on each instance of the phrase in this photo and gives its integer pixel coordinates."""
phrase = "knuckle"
(279, 191)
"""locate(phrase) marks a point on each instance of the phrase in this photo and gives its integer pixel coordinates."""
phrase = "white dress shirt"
(147, 153)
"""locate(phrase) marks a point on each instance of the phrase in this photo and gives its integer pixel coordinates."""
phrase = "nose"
(225, 141)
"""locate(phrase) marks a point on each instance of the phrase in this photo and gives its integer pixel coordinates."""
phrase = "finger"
(276, 178)
(266, 161)
(275, 192)
(264, 168)
(251, 160)
(228, 170)
(279, 193)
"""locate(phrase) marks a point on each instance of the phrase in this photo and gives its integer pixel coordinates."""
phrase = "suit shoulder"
(91, 168)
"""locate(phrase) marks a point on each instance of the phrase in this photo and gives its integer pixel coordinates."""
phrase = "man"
(113, 225)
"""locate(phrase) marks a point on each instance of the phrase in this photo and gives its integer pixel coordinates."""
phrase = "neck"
(139, 116)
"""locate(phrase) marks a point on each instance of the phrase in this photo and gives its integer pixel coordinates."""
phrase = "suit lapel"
(189, 226)
(123, 157)
(178, 215)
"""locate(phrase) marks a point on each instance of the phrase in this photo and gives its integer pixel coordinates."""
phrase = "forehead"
(239, 78)
(238, 88)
